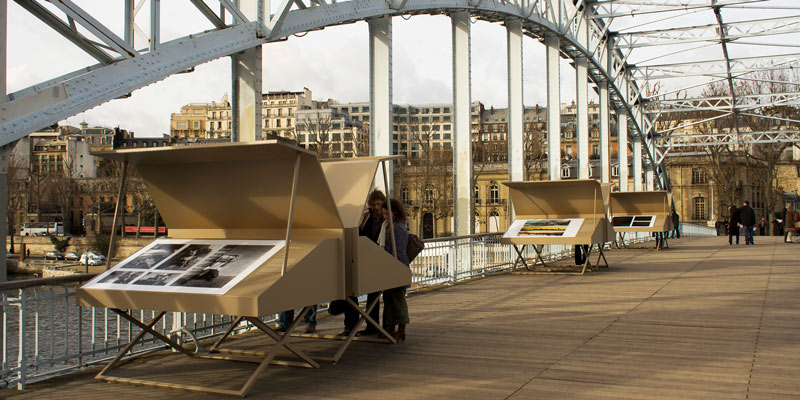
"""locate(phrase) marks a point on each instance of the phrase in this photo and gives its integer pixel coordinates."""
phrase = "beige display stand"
(655, 203)
(561, 200)
(263, 190)
(368, 267)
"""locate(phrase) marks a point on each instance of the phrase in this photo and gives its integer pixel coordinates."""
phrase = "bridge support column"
(380, 94)
(622, 149)
(605, 151)
(462, 124)
(4, 161)
(637, 164)
(582, 105)
(246, 83)
(516, 107)
(553, 107)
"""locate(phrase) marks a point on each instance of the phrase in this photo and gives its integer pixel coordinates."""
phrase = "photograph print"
(120, 277)
(544, 227)
(223, 265)
(152, 256)
(622, 222)
(185, 259)
(155, 279)
(642, 221)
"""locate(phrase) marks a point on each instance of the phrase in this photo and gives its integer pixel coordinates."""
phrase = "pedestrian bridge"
(700, 320)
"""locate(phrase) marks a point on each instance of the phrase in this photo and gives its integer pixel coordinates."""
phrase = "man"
(371, 228)
(733, 224)
(676, 224)
(789, 218)
(747, 217)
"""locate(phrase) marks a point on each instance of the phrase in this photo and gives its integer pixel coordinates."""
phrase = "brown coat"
(789, 219)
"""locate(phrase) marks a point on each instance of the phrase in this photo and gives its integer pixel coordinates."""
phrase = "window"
(494, 194)
(565, 171)
(614, 171)
(196, 125)
(430, 195)
(699, 176)
(404, 195)
(477, 195)
(699, 208)
(277, 123)
(595, 149)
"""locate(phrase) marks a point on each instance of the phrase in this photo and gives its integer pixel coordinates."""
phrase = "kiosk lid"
(234, 186)
(557, 199)
(640, 203)
(351, 182)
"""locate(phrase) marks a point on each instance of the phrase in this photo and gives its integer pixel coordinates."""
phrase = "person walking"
(789, 218)
(733, 224)
(676, 224)
(395, 308)
(747, 217)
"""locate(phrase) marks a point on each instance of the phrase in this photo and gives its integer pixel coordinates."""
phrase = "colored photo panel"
(544, 227)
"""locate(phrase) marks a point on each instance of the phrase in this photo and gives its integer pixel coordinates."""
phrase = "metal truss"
(721, 139)
(582, 25)
(709, 33)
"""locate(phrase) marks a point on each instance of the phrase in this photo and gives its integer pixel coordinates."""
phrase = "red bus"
(145, 229)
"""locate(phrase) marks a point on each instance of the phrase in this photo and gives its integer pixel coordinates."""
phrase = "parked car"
(72, 256)
(97, 255)
(91, 259)
(54, 255)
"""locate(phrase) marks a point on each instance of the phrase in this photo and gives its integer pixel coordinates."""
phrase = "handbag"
(414, 247)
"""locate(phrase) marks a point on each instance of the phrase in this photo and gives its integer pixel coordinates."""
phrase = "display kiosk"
(641, 212)
(570, 212)
(255, 230)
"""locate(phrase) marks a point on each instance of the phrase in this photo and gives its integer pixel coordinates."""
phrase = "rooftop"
(700, 320)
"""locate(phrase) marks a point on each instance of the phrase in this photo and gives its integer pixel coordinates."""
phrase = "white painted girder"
(85, 89)
(50, 104)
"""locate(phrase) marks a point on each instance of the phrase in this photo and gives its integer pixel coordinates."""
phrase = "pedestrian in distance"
(733, 224)
(676, 224)
(747, 217)
(789, 218)
(762, 227)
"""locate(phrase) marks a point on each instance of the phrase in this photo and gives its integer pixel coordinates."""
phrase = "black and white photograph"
(622, 221)
(633, 221)
(222, 266)
(155, 279)
(120, 277)
(152, 256)
(642, 221)
(186, 258)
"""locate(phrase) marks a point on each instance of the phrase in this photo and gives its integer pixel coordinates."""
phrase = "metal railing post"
(21, 357)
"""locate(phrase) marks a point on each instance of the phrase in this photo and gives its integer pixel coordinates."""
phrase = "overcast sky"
(333, 63)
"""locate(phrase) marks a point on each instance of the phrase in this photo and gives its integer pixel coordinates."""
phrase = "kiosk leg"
(586, 263)
(603, 256)
(538, 259)
(364, 317)
(520, 258)
(226, 334)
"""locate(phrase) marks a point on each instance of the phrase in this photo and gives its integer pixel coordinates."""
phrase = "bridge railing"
(46, 334)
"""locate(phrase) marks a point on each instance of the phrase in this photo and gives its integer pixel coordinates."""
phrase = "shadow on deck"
(700, 320)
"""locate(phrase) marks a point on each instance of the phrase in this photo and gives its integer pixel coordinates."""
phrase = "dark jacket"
(371, 228)
(747, 216)
(676, 219)
(401, 239)
(733, 219)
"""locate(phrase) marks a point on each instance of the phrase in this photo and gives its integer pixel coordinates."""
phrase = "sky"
(333, 62)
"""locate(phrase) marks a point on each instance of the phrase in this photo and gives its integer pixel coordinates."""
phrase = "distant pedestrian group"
(744, 216)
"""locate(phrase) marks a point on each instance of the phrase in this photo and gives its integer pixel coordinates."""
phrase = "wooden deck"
(700, 320)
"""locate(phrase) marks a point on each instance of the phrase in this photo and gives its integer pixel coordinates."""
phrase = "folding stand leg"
(129, 346)
(586, 263)
(603, 256)
(226, 334)
(520, 257)
(538, 259)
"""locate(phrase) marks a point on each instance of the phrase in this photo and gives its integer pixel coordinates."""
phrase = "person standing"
(747, 217)
(395, 308)
(676, 224)
(789, 218)
(762, 227)
(371, 228)
(733, 224)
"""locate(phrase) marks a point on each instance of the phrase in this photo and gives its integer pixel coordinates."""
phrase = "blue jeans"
(748, 234)
(677, 232)
(285, 318)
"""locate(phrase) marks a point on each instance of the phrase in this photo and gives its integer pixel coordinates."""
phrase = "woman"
(395, 308)
(733, 224)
